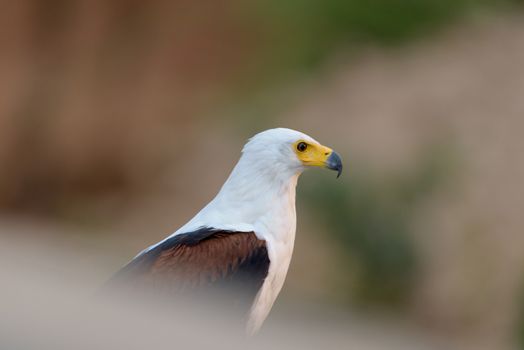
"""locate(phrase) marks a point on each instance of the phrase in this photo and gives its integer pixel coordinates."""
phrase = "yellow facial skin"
(313, 154)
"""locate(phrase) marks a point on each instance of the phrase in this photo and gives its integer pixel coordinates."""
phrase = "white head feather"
(266, 172)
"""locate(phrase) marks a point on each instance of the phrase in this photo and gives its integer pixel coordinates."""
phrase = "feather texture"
(200, 262)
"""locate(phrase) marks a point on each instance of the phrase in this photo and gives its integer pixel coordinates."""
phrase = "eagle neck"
(259, 194)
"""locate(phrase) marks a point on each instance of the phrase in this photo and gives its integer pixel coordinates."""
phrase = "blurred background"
(119, 120)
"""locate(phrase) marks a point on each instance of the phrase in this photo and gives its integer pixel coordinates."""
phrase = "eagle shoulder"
(205, 259)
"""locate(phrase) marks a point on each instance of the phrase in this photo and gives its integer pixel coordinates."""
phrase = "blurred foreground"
(48, 302)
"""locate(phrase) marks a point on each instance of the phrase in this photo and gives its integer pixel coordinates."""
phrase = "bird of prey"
(243, 239)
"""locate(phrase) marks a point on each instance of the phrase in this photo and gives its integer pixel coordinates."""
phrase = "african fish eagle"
(244, 237)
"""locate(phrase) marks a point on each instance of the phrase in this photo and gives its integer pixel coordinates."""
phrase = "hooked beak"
(334, 162)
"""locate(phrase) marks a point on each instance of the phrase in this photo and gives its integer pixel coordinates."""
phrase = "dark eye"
(302, 146)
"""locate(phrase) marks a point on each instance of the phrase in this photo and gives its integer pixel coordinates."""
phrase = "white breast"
(280, 253)
(278, 229)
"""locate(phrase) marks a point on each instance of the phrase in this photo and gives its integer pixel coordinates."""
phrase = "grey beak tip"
(335, 163)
